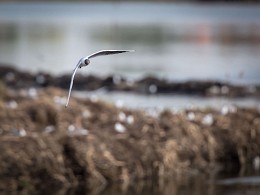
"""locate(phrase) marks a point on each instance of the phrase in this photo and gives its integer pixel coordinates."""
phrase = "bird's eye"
(87, 61)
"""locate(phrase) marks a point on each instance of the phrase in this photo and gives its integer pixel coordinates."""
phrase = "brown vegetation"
(92, 143)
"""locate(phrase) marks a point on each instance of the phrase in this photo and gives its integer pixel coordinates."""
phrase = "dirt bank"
(92, 143)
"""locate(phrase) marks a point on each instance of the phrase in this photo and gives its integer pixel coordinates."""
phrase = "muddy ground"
(92, 144)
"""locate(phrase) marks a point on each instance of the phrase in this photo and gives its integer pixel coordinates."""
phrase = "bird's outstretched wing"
(99, 53)
(107, 52)
(71, 81)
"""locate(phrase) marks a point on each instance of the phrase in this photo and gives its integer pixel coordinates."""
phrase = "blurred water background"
(173, 41)
(178, 42)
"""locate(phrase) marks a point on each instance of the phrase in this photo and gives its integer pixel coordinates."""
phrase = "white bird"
(86, 61)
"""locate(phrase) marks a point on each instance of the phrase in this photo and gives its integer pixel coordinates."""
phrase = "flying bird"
(86, 61)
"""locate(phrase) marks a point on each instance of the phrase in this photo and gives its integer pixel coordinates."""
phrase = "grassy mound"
(92, 143)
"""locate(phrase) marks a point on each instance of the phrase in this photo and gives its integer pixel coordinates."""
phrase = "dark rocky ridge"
(150, 85)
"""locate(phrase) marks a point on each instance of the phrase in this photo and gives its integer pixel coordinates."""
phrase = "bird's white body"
(86, 61)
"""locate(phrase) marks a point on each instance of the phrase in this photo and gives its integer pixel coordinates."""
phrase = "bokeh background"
(176, 41)
(198, 41)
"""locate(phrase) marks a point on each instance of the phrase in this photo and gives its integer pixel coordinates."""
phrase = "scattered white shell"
(12, 104)
(119, 128)
(224, 110)
(32, 93)
(86, 114)
(49, 129)
(19, 132)
(22, 132)
(208, 120)
(228, 109)
(83, 132)
(72, 130)
(190, 116)
(130, 119)
(121, 116)
(152, 88)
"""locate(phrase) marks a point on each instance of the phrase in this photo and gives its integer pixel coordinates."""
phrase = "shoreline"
(16, 79)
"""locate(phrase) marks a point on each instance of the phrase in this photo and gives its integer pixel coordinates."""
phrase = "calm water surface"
(173, 41)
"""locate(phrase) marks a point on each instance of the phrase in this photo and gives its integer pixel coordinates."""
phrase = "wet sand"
(92, 143)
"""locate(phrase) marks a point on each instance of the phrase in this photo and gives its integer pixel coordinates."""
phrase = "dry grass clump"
(92, 143)
(27, 162)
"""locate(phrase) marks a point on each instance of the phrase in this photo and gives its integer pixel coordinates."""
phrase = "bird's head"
(87, 61)
(84, 62)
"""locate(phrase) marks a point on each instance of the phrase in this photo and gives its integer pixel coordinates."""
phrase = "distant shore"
(15, 78)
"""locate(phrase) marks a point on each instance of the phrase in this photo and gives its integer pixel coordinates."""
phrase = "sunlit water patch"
(174, 102)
